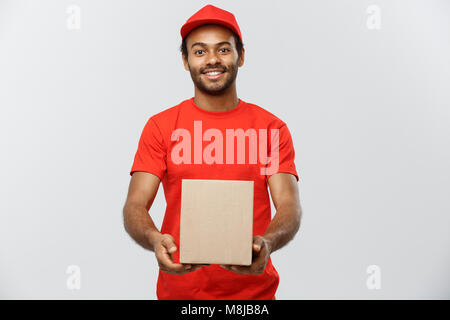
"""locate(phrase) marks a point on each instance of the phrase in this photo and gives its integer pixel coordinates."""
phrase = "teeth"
(213, 73)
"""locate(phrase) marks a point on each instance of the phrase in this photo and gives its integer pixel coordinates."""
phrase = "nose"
(212, 58)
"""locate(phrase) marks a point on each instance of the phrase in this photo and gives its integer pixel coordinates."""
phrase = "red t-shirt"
(159, 153)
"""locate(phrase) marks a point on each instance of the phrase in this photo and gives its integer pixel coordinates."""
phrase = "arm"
(282, 228)
(139, 225)
(286, 222)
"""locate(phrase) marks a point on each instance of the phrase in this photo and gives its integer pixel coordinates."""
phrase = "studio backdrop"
(362, 85)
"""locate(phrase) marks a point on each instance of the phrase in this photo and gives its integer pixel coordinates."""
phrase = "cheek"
(231, 67)
(194, 67)
(196, 73)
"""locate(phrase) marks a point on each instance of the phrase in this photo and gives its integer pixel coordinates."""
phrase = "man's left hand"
(260, 257)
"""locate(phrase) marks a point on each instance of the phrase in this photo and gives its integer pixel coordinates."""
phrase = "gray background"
(368, 110)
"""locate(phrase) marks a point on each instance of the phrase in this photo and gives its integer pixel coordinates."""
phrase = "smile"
(213, 75)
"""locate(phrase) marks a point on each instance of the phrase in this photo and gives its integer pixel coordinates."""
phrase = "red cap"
(211, 14)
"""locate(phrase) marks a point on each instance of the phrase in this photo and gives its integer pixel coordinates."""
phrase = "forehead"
(210, 34)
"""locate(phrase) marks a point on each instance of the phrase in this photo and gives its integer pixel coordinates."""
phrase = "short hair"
(237, 40)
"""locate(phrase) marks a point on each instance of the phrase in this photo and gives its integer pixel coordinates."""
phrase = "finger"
(236, 269)
(187, 269)
(256, 248)
(253, 269)
(242, 270)
(176, 268)
(190, 268)
(195, 268)
(172, 267)
(169, 243)
(202, 265)
(257, 243)
(226, 267)
(257, 266)
(166, 263)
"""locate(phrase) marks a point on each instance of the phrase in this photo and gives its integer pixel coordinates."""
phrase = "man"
(212, 52)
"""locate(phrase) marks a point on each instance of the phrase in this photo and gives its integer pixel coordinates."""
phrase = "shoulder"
(270, 119)
(167, 115)
(160, 123)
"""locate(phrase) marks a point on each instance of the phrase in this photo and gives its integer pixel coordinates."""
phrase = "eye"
(198, 51)
(225, 49)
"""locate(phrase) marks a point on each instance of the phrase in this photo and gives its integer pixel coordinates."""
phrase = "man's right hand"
(164, 248)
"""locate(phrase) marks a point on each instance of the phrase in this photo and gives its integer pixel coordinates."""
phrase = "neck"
(222, 103)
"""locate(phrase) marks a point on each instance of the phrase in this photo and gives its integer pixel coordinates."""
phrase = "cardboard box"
(216, 222)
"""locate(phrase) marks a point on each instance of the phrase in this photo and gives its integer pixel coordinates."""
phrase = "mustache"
(224, 69)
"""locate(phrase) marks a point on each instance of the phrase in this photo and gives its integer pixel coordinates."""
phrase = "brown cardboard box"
(216, 223)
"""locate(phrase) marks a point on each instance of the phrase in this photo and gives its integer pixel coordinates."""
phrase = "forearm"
(283, 226)
(139, 225)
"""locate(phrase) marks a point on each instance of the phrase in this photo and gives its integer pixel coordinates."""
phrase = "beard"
(214, 87)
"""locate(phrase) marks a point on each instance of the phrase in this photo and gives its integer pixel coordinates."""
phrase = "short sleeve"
(286, 154)
(151, 153)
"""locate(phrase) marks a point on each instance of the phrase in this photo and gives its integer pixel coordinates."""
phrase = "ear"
(185, 62)
(241, 59)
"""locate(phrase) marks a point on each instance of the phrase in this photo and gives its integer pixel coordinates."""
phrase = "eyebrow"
(205, 45)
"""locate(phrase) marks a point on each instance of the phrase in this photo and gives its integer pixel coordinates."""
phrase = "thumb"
(257, 244)
(169, 244)
(172, 249)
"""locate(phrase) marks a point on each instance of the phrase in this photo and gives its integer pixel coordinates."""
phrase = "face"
(212, 48)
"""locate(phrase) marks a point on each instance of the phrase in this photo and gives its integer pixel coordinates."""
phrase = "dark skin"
(212, 46)
(283, 227)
